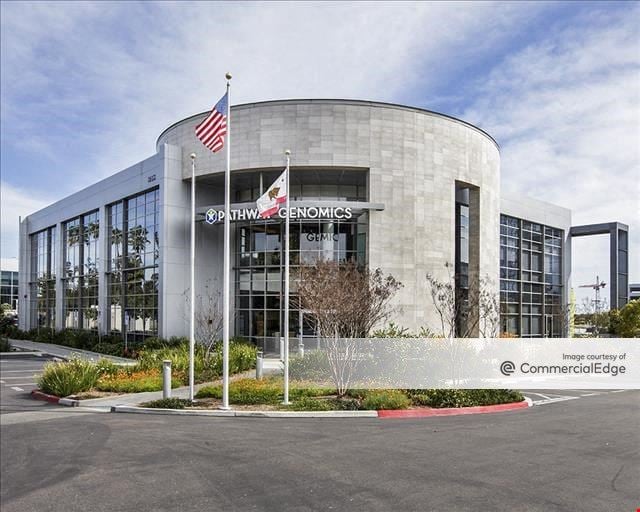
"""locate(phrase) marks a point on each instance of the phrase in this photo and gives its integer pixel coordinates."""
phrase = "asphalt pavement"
(18, 375)
(575, 455)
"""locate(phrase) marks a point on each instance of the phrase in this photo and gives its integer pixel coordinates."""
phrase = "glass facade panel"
(43, 278)
(133, 266)
(308, 184)
(9, 288)
(259, 266)
(80, 279)
(530, 279)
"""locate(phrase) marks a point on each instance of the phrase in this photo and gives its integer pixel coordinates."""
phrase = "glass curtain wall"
(259, 270)
(133, 266)
(43, 279)
(81, 236)
(9, 288)
(530, 279)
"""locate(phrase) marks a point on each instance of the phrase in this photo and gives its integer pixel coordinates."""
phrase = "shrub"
(169, 403)
(310, 404)
(155, 343)
(385, 399)
(242, 357)
(111, 349)
(5, 345)
(246, 392)
(313, 366)
(440, 398)
(106, 367)
(126, 381)
(299, 390)
(67, 378)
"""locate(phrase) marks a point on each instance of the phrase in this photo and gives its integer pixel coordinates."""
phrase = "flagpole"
(286, 286)
(227, 269)
(192, 341)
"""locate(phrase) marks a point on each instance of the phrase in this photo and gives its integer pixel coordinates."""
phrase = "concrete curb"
(453, 411)
(36, 353)
(384, 414)
(69, 402)
(239, 414)
(41, 395)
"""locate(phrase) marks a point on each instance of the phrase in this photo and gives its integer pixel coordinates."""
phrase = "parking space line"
(540, 394)
(19, 377)
(25, 384)
(15, 388)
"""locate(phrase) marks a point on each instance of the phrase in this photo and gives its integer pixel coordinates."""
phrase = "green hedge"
(169, 403)
(440, 398)
(5, 345)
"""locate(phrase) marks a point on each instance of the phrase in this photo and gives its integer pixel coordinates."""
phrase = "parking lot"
(18, 374)
(552, 396)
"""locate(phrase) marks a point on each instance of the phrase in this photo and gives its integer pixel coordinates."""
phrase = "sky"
(86, 88)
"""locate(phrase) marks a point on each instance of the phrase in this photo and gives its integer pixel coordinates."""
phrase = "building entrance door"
(548, 326)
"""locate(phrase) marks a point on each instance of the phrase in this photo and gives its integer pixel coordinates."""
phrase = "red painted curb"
(39, 395)
(452, 411)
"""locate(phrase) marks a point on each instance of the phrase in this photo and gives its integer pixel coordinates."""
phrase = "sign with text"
(213, 216)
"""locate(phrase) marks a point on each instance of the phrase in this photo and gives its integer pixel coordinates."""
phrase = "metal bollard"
(166, 378)
(259, 365)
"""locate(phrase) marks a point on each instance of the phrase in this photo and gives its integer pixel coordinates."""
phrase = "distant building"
(634, 291)
(9, 283)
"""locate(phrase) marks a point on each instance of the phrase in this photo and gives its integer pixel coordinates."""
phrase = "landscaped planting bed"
(83, 378)
(267, 394)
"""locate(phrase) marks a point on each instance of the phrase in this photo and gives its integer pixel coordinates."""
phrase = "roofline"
(344, 101)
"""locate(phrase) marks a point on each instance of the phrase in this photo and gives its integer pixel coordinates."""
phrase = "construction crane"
(596, 302)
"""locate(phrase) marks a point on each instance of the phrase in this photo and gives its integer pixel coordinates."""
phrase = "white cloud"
(111, 77)
(567, 114)
(90, 94)
(15, 203)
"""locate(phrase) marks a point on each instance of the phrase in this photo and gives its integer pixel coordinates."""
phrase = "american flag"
(212, 130)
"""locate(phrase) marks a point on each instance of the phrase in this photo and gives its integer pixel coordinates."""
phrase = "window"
(259, 268)
(80, 277)
(134, 245)
(43, 278)
(530, 278)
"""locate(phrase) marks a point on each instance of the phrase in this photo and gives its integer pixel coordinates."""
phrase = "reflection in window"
(133, 266)
(80, 279)
(42, 285)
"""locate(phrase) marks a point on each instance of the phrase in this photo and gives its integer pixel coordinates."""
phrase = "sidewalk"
(67, 352)
(136, 398)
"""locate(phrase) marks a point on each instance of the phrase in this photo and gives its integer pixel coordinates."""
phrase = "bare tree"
(463, 312)
(208, 315)
(346, 302)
